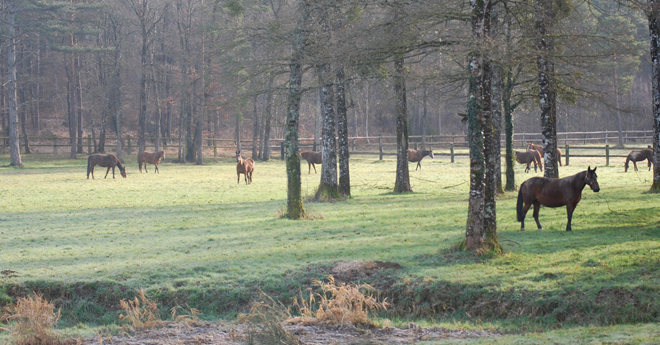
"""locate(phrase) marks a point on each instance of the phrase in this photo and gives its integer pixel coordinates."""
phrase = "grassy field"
(191, 236)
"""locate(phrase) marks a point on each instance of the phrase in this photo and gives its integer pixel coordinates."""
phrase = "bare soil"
(228, 334)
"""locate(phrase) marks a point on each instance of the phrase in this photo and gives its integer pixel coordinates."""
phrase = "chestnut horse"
(554, 192)
(528, 157)
(151, 158)
(418, 155)
(109, 161)
(312, 158)
(539, 148)
(245, 167)
(638, 156)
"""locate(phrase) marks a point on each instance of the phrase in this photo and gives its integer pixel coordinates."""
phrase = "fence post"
(416, 146)
(451, 151)
(567, 155)
(89, 144)
(55, 145)
(282, 150)
(606, 137)
(380, 146)
(607, 155)
(128, 144)
(353, 144)
(215, 149)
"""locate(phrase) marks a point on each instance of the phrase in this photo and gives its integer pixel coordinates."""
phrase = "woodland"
(181, 71)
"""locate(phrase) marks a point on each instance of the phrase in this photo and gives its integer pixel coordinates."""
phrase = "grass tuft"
(265, 323)
(141, 313)
(32, 321)
(338, 304)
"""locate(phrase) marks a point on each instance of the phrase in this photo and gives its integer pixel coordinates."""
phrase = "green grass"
(191, 235)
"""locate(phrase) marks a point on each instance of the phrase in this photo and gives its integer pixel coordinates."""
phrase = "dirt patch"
(352, 270)
(228, 334)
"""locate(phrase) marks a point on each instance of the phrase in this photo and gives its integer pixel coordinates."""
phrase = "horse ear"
(594, 169)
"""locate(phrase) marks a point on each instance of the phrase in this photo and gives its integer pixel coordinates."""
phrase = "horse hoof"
(540, 229)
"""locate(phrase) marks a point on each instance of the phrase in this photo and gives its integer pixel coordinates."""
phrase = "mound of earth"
(352, 270)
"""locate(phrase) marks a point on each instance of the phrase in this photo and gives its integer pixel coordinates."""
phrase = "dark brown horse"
(418, 155)
(528, 157)
(312, 158)
(638, 156)
(245, 167)
(532, 146)
(553, 192)
(151, 158)
(109, 161)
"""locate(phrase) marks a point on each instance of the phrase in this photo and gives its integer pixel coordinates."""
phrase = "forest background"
(188, 70)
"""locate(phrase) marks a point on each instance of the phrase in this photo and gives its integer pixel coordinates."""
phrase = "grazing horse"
(312, 158)
(418, 155)
(245, 167)
(638, 156)
(151, 158)
(532, 146)
(109, 161)
(553, 192)
(528, 157)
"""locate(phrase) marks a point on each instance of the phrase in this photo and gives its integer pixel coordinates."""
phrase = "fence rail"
(443, 145)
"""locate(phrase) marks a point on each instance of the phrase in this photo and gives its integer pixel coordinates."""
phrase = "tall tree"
(328, 188)
(14, 149)
(342, 135)
(402, 181)
(653, 15)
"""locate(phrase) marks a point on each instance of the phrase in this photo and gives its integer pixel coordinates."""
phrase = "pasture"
(191, 236)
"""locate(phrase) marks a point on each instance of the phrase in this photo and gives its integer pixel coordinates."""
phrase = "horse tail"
(519, 205)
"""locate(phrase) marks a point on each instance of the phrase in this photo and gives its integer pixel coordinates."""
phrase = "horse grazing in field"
(109, 161)
(312, 158)
(532, 146)
(528, 157)
(553, 192)
(418, 155)
(151, 158)
(245, 167)
(638, 156)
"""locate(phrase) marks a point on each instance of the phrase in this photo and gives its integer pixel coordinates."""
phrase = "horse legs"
(649, 159)
(537, 206)
(314, 165)
(107, 171)
(570, 207)
(527, 168)
(90, 170)
(156, 170)
(418, 165)
(524, 213)
(635, 164)
(239, 178)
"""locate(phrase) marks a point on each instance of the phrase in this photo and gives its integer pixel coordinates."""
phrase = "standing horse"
(151, 158)
(312, 158)
(109, 161)
(553, 192)
(528, 157)
(418, 155)
(245, 167)
(638, 156)
(532, 146)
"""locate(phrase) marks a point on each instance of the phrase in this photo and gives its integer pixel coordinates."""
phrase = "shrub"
(140, 312)
(338, 304)
(32, 321)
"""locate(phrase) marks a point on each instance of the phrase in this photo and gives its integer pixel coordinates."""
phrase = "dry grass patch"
(338, 304)
(141, 313)
(32, 321)
(265, 323)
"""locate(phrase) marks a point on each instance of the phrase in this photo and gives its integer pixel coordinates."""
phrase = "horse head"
(592, 179)
(431, 153)
(161, 155)
(238, 156)
(122, 170)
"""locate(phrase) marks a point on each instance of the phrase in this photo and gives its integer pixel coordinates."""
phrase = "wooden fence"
(575, 144)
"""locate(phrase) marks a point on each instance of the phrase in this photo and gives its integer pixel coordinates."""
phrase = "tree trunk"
(342, 134)
(402, 182)
(14, 147)
(508, 129)
(544, 17)
(269, 105)
(328, 189)
(79, 103)
(654, 30)
(295, 209)
(255, 127)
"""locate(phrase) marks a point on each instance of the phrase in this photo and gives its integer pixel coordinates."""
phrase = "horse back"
(414, 155)
(551, 192)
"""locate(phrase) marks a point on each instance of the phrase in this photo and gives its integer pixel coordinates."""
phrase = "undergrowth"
(32, 321)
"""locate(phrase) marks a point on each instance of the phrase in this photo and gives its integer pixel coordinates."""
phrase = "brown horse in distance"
(312, 158)
(638, 156)
(553, 192)
(532, 146)
(528, 157)
(418, 155)
(151, 158)
(109, 161)
(245, 167)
